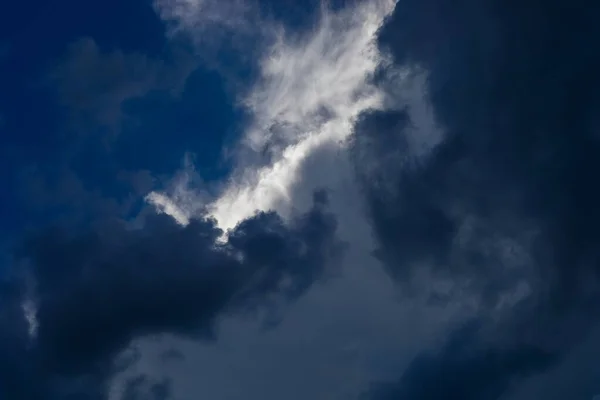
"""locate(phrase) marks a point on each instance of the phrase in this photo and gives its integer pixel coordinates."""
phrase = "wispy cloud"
(183, 200)
(310, 91)
(197, 15)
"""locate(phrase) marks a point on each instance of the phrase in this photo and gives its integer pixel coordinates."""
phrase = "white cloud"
(183, 199)
(165, 205)
(30, 311)
(326, 71)
(310, 91)
(199, 16)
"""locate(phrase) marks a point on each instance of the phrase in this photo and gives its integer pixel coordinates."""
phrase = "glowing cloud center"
(309, 94)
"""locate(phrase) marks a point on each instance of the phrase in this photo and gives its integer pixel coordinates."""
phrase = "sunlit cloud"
(310, 91)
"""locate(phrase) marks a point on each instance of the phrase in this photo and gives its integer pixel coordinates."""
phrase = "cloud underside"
(504, 210)
(94, 292)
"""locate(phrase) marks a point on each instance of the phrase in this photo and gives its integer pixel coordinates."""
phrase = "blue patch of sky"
(201, 120)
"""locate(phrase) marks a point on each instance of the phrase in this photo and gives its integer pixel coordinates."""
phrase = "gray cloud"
(341, 335)
(503, 211)
(95, 291)
(465, 369)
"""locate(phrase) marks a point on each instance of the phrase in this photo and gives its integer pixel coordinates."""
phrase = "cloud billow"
(504, 209)
(464, 369)
(97, 291)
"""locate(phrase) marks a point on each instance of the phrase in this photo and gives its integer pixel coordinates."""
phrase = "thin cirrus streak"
(310, 92)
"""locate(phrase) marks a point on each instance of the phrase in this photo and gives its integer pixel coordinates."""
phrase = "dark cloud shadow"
(510, 196)
(465, 368)
(97, 289)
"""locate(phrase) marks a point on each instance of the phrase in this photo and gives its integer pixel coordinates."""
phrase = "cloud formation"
(95, 291)
(502, 211)
(309, 90)
(459, 146)
(465, 369)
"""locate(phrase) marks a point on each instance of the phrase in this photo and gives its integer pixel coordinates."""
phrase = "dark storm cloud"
(465, 369)
(515, 92)
(511, 194)
(94, 84)
(98, 290)
(142, 388)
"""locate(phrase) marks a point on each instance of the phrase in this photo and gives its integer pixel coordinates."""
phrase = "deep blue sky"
(35, 39)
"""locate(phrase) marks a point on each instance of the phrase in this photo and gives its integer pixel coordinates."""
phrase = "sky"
(320, 199)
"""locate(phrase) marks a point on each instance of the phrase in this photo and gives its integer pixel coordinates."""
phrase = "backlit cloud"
(309, 93)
